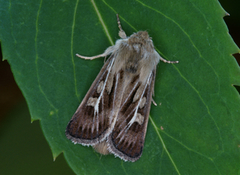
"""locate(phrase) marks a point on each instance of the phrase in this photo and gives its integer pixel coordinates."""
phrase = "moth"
(113, 116)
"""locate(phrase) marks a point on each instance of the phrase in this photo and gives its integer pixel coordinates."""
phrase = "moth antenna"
(121, 32)
(119, 23)
(166, 61)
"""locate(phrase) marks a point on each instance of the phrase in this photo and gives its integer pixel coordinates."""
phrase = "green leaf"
(195, 130)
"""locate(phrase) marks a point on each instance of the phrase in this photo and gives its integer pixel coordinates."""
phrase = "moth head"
(142, 39)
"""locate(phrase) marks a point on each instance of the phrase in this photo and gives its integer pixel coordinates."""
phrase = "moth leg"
(121, 32)
(166, 61)
(108, 51)
(154, 102)
(90, 58)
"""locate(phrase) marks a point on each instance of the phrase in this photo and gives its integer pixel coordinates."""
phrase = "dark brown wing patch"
(91, 122)
(128, 135)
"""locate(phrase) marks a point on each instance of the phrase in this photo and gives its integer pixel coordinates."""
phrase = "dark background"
(13, 109)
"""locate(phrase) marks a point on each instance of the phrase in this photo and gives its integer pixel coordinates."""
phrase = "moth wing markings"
(136, 116)
(127, 137)
(90, 124)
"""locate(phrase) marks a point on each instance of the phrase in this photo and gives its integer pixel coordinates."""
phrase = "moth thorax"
(131, 67)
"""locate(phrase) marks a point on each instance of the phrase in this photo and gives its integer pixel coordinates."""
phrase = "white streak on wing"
(113, 111)
(136, 109)
(135, 113)
(124, 129)
(129, 95)
(129, 114)
(96, 107)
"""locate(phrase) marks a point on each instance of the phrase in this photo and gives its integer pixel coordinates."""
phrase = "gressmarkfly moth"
(113, 115)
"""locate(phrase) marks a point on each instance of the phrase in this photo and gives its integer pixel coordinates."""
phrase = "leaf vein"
(37, 58)
(102, 22)
(164, 146)
(72, 55)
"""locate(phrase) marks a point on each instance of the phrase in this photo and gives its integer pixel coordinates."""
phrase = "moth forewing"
(113, 115)
(89, 126)
(127, 138)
